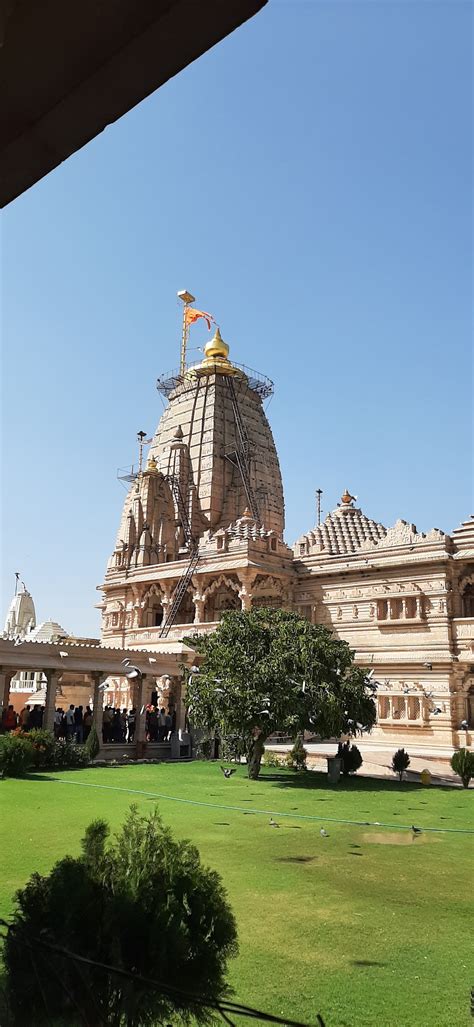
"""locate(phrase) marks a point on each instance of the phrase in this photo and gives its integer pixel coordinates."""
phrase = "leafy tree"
(462, 762)
(400, 762)
(143, 904)
(351, 758)
(270, 670)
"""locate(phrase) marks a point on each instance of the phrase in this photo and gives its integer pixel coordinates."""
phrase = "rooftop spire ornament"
(190, 315)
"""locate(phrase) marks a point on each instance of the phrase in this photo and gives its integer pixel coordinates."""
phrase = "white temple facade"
(202, 532)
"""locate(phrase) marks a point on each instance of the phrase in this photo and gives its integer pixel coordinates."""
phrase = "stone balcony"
(463, 637)
(153, 636)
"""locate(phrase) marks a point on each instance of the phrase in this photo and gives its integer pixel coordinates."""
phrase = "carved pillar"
(419, 608)
(5, 681)
(52, 681)
(98, 678)
(390, 707)
(404, 709)
(198, 608)
(404, 609)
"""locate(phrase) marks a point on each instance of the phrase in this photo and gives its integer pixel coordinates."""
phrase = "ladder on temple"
(183, 583)
(240, 457)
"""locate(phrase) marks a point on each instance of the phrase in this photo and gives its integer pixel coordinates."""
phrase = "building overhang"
(70, 69)
(87, 659)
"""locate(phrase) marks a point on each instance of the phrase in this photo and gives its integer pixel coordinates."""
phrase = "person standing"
(162, 725)
(132, 719)
(9, 719)
(24, 718)
(58, 719)
(79, 724)
(87, 723)
(70, 724)
(107, 725)
(123, 723)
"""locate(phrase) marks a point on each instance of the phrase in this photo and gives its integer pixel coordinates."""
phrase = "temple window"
(273, 544)
(115, 619)
(468, 601)
(382, 609)
(383, 705)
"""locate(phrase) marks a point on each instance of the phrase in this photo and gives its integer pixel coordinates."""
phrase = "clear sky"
(309, 180)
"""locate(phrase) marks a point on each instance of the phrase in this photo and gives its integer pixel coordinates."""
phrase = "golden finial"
(151, 463)
(347, 499)
(216, 347)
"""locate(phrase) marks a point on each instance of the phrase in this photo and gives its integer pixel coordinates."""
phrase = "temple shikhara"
(202, 532)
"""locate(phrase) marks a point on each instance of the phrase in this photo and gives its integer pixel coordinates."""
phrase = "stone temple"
(202, 531)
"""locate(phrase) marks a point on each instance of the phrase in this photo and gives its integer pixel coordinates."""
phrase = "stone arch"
(466, 592)
(221, 595)
(267, 590)
(151, 607)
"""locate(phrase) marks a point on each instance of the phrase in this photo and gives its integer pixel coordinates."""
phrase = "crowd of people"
(75, 723)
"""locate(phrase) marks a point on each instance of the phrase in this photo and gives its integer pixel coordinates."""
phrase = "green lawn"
(369, 927)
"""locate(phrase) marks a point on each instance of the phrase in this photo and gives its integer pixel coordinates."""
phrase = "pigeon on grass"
(228, 771)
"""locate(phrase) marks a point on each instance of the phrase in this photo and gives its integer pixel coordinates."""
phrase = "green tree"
(143, 904)
(270, 670)
(400, 762)
(462, 762)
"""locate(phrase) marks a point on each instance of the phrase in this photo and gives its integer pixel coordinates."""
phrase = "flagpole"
(186, 298)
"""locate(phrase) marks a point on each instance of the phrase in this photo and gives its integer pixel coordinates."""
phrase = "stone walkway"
(377, 761)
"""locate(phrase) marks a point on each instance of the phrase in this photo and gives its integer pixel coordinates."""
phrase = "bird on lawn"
(273, 823)
(323, 833)
(227, 771)
(416, 830)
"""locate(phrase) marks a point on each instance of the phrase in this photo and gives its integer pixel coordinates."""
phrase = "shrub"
(351, 758)
(232, 748)
(462, 762)
(273, 759)
(69, 757)
(44, 745)
(296, 758)
(143, 904)
(92, 745)
(16, 755)
(400, 762)
(204, 749)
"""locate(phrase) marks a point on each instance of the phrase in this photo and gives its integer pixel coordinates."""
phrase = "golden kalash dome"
(216, 360)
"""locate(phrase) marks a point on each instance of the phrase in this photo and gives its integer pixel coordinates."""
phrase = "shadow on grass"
(317, 781)
(366, 962)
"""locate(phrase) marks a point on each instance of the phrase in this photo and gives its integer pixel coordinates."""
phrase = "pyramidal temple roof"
(344, 530)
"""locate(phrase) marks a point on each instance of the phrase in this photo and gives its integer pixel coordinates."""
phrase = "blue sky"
(309, 180)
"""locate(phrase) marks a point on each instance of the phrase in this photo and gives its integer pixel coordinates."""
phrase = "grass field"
(370, 926)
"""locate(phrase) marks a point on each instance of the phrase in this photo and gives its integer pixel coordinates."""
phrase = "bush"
(69, 757)
(44, 745)
(92, 745)
(232, 748)
(351, 758)
(16, 755)
(462, 763)
(143, 904)
(400, 762)
(51, 754)
(204, 749)
(296, 759)
(273, 759)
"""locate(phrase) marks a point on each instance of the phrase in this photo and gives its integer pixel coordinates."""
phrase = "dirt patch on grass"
(397, 838)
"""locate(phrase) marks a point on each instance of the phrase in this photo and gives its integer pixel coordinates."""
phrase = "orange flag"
(191, 315)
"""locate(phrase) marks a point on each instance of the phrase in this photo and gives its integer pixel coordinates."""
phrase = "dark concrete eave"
(69, 69)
